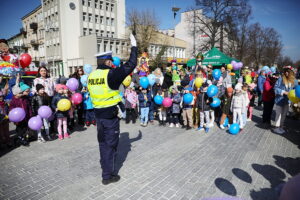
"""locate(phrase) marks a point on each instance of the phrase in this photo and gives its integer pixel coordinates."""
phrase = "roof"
(15, 36)
(31, 12)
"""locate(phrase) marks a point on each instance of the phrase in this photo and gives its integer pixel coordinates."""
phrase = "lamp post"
(174, 10)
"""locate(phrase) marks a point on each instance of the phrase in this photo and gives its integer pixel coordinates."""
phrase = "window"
(96, 18)
(90, 31)
(71, 70)
(101, 5)
(96, 3)
(98, 47)
(112, 21)
(84, 31)
(89, 3)
(83, 2)
(112, 34)
(102, 33)
(112, 8)
(101, 19)
(105, 44)
(107, 34)
(107, 6)
(107, 21)
(97, 32)
(84, 16)
(90, 17)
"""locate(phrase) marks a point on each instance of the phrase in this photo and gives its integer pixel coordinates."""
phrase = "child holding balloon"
(175, 108)
(203, 102)
(225, 106)
(88, 108)
(131, 101)
(237, 105)
(41, 99)
(62, 110)
(144, 103)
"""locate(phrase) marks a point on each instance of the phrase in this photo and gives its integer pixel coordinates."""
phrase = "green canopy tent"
(213, 57)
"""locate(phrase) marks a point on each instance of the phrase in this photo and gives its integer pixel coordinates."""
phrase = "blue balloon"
(212, 90)
(188, 98)
(226, 122)
(234, 129)
(121, 94)
(297, 91)
(144, 82)
(116, 61)
(216, 102)
(83, 80)
(273, 69)
(87, 68)
(158, 99)
(151, 79)
(216, 74)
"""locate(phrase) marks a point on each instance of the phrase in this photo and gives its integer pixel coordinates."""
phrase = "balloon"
(216, 74)
(127, 81)
(151, 78)
(233, 62)
(292, 97)
(158, 99)
(229, 66)
(212, 90)
(234, 129)
(35, 123)
(83, 80)
(239, 65)
(235, 66)
(226, 121)
(63, 105)
(87, 68)
(121, 94)
(51, 118)
(216, 102)
(297, 90)
(16, 115)
(116, 61)
(144, 82)
(198, 82)
(72, 84)
(25, 60)
(273, 69)
(77, 98)
(167, 102)
(188, 98)
(45, 112)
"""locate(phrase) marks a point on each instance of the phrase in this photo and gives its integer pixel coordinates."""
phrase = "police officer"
(103, 85)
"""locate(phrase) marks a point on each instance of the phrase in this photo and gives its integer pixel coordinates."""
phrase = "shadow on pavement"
(124, 148)
(241, 174)
(290, 165)
(225, 186)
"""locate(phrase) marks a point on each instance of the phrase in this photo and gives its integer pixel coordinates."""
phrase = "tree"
(158, 61)
(144, 23)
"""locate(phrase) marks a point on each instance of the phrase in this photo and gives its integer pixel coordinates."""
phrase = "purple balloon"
(51, 118)
(233, 62)
(239, 65)
(45, 112)
(35, 123)
(16, 115)
(72, 84)
(235, 66)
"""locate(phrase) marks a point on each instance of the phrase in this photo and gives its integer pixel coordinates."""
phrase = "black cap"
(38, 87)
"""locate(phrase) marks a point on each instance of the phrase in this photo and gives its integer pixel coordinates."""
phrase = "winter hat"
(184, 82)
(24, 87)
(16, 90)
(238, 87)
(38, 87)
(229, 90)
(60, 86)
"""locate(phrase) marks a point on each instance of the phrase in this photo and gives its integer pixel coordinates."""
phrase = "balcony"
(34, 43)
(33, 26)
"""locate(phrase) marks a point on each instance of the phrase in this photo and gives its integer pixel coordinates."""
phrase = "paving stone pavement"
(157, 163)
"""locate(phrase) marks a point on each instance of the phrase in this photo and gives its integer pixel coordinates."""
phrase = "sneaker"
(249, 120)
(113, 179)
(188, 128)
(60, 137)
(206, 130)
(66, 135)
(88, 124)
(200, 128)
(145, 124)
(177, 125)
(142, 124)
(94, 122)
(222, 127)
(49, 138)
(41, 139)
(183, 126)
(171, 125)
(211, 124)
(282, 130)
(278, 130)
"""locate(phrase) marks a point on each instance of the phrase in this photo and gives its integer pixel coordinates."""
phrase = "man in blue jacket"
(260, 86)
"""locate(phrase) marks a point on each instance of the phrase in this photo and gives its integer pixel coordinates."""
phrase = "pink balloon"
(72, 84)
(35, 123)
(16, 115)
(45, 112)
(77, 98)
(167, 102)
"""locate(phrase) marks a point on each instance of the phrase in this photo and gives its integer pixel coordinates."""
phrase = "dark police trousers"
(108, 138)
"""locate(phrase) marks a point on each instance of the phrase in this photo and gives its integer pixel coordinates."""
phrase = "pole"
(194, 42)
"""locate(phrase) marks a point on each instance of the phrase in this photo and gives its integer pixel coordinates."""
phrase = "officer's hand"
(132, 40)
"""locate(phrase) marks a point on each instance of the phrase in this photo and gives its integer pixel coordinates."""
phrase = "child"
(245, 108)
(162, 111)
(237, 105)
(70, 119)
(4, 122)
(203, 102)
(226, 104)
(131, 100)
(88, 109)
(144, 102)
(175, 108)
(60, 115)
(187, 109)
(251, 95)
(196, 114)
(41, 99)
(20, 99)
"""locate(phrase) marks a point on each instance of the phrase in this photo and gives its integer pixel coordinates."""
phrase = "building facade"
(16, 43)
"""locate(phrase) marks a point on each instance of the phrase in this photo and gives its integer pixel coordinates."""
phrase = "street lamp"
(174, 10)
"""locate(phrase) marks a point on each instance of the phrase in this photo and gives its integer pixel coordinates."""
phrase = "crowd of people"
(237, 93)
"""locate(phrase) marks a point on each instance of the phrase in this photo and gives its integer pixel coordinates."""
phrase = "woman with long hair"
(45, 80)
(284, 84)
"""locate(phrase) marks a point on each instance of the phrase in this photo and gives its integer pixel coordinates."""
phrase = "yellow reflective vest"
(102, 96)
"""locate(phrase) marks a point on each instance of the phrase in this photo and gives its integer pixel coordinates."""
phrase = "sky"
(282, 15)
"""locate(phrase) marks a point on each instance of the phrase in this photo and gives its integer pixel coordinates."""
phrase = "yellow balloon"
(292, 97)
(198, 82)
(127, 81)
(64, 105)
(229, 67)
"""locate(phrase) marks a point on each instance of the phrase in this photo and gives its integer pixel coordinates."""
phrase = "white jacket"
(238, 101)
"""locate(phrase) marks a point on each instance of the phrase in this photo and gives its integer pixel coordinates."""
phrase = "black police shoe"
(183, 126)
(113, 179)
(188, 128)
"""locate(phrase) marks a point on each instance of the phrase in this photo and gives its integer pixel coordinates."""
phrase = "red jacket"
(268, 93)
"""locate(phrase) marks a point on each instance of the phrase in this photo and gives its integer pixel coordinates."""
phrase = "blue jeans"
(89, 115)
(144, 114)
